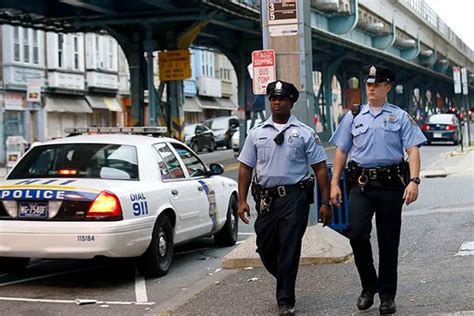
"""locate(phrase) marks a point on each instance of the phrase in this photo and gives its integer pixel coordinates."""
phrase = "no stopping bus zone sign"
(263, 62)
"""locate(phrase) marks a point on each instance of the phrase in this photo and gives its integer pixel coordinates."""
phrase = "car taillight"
(450, 128)
(106, 204)
(425, 127)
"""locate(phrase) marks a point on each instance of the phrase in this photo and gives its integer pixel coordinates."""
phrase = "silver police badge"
(392, 118)
(372, 71)
(294, 134)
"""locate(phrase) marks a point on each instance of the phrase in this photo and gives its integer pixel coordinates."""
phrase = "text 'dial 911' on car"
(113, 195)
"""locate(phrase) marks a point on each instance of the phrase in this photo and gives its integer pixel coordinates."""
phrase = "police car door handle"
(200, 188)
(174, 192)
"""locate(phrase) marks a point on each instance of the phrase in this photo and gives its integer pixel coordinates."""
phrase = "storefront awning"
(191, 105)
(227, 104)
(209, 103)
(68, 105)
(103, 103)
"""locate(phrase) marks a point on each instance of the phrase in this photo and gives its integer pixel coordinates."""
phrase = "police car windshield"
(94, 161)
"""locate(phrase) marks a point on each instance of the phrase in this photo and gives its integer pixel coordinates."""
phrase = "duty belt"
(362, 176)
(282, 190)
(268, 195)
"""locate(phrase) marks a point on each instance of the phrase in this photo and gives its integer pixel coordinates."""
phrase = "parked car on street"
(442, 127)
(198, 137)
(236, 136)
(223, 127)
(113, 195)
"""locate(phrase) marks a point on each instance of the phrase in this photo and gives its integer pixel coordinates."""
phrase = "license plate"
(33, 210)
(437, 135)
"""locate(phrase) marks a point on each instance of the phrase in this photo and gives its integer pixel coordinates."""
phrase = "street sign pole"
(465, 91)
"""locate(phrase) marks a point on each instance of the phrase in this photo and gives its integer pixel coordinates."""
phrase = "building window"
(76, 53)
(60, 50)
(26, 45)
(111, 54)
(203, 64)
(16, 43)
(97, 53)
(35, 48)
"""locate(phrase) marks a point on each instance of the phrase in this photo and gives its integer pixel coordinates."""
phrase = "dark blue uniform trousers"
(279, 237)
(386, 204)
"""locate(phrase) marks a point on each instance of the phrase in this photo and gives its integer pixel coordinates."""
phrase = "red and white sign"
(457, 79)
(264, 70)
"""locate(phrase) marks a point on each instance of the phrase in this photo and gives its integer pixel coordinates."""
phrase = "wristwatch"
(417, 180)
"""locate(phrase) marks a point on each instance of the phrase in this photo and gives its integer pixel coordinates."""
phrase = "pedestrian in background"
(381, 181)
(280, 150)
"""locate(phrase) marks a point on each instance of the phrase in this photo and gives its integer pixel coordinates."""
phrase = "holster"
(309, 189)
(256, 191)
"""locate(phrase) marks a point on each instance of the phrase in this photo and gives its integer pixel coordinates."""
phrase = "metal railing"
(431, 17)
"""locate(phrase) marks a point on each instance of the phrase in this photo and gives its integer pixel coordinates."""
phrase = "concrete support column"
(327, 82)
(363, 91)
(40, 123)
(26, 124)
(150, 46)
(137, 71)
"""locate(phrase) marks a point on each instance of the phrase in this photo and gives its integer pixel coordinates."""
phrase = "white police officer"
(281, 149)
(381, 181)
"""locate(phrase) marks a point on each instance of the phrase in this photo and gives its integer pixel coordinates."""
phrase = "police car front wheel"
(227, 236)
(9, 264)
(156, 260)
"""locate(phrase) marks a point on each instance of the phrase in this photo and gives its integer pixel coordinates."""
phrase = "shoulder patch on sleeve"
(316, 138)
(411, 119)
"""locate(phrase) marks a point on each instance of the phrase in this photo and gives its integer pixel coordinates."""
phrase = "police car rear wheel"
(227, 236)
(9, 264)
(156, 261)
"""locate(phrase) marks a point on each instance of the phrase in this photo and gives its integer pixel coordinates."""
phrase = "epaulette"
(258, 125)
(307, 127)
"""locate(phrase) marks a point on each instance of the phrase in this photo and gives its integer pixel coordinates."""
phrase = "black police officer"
(280, 149)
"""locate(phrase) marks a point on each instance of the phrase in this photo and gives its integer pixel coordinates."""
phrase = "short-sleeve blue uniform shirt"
(377, 140)
(283, 164)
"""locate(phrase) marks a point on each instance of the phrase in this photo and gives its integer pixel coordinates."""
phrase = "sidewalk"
(452, 163)
(432, 280)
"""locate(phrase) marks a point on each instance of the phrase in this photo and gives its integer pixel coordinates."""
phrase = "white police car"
(113, 195)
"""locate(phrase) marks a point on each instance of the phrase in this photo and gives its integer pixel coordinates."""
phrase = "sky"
(457, 14)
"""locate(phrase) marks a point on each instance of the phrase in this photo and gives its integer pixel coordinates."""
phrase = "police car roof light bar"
(136, 130)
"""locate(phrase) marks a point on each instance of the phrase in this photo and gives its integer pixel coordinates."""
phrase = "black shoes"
(365, 300)
(387, 307)
(286, 310)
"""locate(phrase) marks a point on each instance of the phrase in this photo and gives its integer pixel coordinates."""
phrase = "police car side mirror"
(216, 169)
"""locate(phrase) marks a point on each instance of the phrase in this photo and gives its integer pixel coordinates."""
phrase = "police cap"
(377, 73)
(282, 89)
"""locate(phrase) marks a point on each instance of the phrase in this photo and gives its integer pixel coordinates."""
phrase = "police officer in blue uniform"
(280, 150)
(376, 138)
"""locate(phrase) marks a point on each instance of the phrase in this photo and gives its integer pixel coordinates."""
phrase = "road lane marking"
(41, 300)
(50, 275)
(140, 288)
(231, 166)
(466, 249)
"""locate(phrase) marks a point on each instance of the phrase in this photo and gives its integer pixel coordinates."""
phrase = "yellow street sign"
(174, 65)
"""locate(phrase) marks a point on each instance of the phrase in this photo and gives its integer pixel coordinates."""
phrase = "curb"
(320, 246)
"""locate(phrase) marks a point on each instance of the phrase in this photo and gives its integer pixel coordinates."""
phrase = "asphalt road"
(104, 287)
